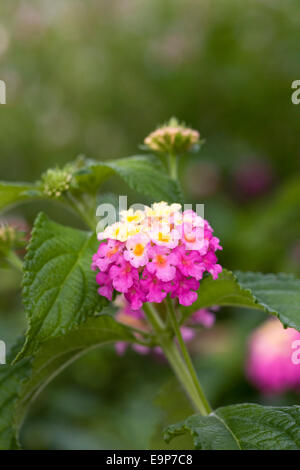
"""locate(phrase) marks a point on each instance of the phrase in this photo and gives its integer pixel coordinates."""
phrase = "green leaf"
(146, 175)
(14, 193)
(224, 291)
(11, 382)
(59, 288)
(243, 427)
(276, 294)
(22, 382)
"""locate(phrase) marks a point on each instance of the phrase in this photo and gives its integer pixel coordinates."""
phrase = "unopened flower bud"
(173, 137)
(7, 234)
(10, 238)
(13, 233)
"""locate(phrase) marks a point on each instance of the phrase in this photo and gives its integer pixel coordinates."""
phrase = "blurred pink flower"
(204, 316)
(253, 178)
(270, 366)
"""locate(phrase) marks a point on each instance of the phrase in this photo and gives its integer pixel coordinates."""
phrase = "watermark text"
(2, 352)
(2, 92)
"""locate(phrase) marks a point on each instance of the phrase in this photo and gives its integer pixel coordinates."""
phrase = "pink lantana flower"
(165, 236)
(123, 276)
(211, 265)
(189, 262)
(156, 289)
(106, 286)
(161, 264)
(193, 238)
(135, 296)
(156, 251)
(184, 289)
(214, 244)
(137, 252)
(107, 254)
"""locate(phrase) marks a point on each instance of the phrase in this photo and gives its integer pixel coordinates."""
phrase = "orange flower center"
(138, 249)
(111, 252)
(190, 237)
(160, 259)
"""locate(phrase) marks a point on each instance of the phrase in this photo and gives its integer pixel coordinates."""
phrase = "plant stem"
(186, 355)
(80, 210)
(153, 317)
(14, 260)
(174, 357)
(173, 164)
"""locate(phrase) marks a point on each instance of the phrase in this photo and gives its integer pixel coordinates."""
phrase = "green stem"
(14, 260)
(174, 357)
(153, 317)
(173, 166)
(186, 356)
(140, 332)
(80, 210)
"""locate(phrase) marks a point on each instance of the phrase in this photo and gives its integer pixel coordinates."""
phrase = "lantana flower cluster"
(154, 252)
(271, 365)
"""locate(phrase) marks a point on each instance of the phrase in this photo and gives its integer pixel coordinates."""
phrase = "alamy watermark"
(296, 94)
(296, 353)
(2, 353)
(110, 214)
(2, 92)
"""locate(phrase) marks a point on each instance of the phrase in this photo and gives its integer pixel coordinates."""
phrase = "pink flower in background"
(253, 178)
(270, 366)
(154, 252)
(204, 316)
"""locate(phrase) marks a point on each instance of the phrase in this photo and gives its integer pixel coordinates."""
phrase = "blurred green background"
(94, 77)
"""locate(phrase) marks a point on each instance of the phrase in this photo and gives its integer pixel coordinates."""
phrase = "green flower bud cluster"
(56, 181)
